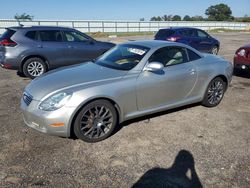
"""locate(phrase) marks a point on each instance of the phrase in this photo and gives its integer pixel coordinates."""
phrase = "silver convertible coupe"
(130, 80)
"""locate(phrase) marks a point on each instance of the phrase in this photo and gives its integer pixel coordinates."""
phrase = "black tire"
(214, 93)
(89, 124)
(215, 50)
(41, 67)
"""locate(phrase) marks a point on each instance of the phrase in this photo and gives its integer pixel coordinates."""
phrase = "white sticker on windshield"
(136, 51)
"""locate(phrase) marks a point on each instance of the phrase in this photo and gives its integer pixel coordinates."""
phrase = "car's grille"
(27, 99)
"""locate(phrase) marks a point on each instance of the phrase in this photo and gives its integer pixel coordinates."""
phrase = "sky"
(114, 9)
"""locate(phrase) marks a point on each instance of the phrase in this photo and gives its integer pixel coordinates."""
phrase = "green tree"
(23, 17)
(176, 18)
(167, 17)
(187, 18)
(197, 18)
(158, 18)
(142, 19)
(219, 12)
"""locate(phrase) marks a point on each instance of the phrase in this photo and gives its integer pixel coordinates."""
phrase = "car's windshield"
(123, 57)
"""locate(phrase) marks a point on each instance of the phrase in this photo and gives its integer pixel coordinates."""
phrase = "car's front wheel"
(34, 67)
(96, 121)
(214, 93)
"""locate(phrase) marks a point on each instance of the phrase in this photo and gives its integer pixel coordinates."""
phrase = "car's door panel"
(159, 89)
(80, 47)
(174, 83)
(52, 46)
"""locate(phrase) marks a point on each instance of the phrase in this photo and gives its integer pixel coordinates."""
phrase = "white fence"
(125, 26)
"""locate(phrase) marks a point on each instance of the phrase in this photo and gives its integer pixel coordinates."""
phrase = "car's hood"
(67, 78)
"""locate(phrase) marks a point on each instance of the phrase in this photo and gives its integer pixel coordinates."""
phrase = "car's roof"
(152, 43)
(178, 28)
(37, 27)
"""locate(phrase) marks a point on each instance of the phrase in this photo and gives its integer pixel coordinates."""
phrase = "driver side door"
(170, 86)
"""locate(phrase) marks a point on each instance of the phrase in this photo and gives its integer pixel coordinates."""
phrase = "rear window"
(31, 35)
(7, 34)
(51, 36)
(164, 33)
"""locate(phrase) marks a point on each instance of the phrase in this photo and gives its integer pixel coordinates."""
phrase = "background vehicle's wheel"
(96, 121)
(215, 50)
(214, 93)
(34, 67)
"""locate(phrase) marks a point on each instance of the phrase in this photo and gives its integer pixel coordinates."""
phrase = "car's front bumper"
(54, 122)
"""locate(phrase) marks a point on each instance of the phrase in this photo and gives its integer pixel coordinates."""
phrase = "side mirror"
(154, 67)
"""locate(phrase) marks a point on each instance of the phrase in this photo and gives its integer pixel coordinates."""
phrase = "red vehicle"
(242, 58)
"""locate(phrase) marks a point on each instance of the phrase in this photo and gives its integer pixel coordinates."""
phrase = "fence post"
(115, 26)
(103, 26)
(88, 27)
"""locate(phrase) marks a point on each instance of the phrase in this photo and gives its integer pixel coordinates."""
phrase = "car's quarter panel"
(173, 84)
(208, 68)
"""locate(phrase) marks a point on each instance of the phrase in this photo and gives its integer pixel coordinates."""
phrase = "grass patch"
(119, 34)
(222, 30)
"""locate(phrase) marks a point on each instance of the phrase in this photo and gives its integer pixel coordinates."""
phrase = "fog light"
(60, 124)
(243, 66)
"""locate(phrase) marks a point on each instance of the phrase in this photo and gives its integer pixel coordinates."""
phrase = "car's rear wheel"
(215, 50)
(214, 93)
(34, 67)
(96, 121)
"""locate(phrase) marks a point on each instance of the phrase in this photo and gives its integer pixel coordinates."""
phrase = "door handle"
(192, 71)
(39, 46)
(70, 47)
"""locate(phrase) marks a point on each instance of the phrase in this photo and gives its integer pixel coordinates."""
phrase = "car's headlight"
(55, 102)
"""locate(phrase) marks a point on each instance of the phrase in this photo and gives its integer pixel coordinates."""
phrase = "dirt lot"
(192, 146)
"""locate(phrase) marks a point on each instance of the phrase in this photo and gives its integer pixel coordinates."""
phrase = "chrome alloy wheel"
(35, 68)
(215, 92)
(96, 121)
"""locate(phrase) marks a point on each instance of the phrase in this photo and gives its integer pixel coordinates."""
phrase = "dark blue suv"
(193, 37)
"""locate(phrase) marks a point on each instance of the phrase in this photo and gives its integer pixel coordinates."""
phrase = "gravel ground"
(192, 146)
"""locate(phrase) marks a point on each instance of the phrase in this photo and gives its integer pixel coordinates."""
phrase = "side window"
(192, 33)
(192, 55)
(169, 56)
(32, 35)
(72, 36)
(201, 34)
(184, 33)
(51, 36)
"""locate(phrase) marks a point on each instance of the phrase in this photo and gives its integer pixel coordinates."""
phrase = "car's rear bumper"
(10, 64)
(242, 65)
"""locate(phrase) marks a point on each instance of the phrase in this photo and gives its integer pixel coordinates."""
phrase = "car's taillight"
(8, 42)
(241, 53)
(173, 39)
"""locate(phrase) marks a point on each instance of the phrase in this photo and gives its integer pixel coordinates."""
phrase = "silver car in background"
(130, 80)
(34, 50)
